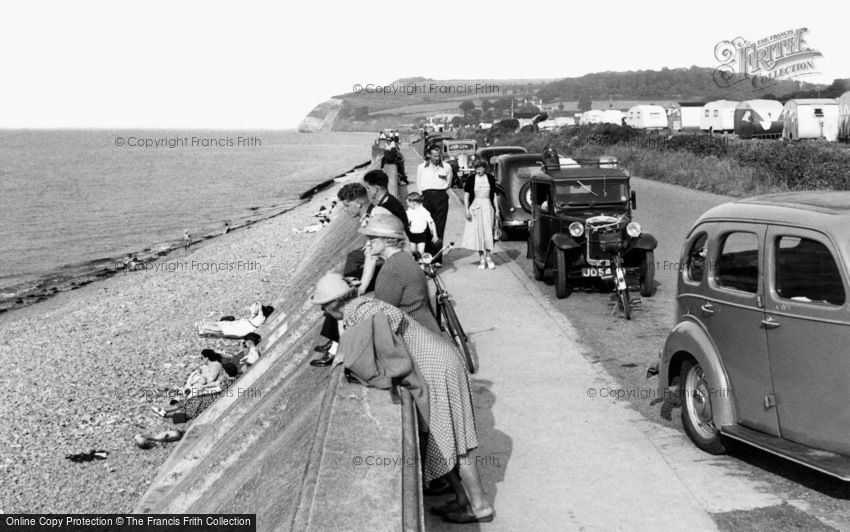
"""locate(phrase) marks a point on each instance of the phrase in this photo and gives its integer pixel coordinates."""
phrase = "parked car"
(759, 351)
(513, 178)
(489, 153)
(580, 217)
(459, 153)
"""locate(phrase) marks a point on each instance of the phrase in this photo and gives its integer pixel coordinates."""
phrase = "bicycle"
(446, 309)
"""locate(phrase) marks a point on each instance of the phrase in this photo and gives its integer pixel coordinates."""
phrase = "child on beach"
(187, 239)
(419, 219)
(251, 353)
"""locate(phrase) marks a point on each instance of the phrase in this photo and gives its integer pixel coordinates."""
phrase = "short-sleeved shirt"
(419, 218)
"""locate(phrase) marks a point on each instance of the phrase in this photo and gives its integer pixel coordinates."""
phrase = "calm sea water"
(71, 198)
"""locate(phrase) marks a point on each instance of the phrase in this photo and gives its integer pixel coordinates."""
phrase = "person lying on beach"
(237, 328)
(192, 406)
(250, 350)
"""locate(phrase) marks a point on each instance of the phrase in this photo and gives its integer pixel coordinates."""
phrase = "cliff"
(322, 117)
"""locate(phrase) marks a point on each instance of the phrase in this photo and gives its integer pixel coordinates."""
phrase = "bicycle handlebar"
(427, 258)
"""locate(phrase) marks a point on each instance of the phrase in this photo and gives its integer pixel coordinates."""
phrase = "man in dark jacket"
(376, 183)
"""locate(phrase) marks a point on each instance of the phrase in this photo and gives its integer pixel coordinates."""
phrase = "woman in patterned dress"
(401, 282)
(482, 211)
(452, 433)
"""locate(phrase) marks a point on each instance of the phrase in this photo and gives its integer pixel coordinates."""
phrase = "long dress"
(452, 422)
(478, 232)
(402, 284)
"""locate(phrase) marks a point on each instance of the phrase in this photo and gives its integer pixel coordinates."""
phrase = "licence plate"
(596, 272)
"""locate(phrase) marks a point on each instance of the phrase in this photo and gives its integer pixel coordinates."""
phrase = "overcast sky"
(187, 64)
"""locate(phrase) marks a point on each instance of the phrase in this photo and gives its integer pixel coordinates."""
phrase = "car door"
(809, 337)
(541, 230)
(732, 313)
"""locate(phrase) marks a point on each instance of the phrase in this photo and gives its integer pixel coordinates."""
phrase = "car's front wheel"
(563, 287)
(647, 274)
(697, 416)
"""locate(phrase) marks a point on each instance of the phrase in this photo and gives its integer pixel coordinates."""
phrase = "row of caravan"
(809, 118)
(813, 118)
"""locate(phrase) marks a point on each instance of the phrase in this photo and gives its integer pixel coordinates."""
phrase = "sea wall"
(297, 445)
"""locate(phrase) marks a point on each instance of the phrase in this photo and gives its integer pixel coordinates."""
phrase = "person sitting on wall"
(394, 156)
(376, 182)
(355, 203)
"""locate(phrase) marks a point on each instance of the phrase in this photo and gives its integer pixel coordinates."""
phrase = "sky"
(265, 65)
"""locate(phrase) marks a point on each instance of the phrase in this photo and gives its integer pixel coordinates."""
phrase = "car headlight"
(633, 229)
(576, 229)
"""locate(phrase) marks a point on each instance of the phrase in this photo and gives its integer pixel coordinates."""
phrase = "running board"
(833, 464)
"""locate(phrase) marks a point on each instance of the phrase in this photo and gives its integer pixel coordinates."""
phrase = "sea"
(75, 203)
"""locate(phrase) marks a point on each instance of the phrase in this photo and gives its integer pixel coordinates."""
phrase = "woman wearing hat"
(401, 282)
(482, 211)
(452, 433)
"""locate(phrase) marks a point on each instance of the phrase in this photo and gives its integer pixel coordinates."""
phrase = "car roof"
(519, 158)
(810, 208)
(488, 149)
(464, 141)
(580, 172)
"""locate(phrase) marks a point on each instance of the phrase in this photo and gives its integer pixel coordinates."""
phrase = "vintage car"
(490, 153)
(579, 216)
(459, 153)
(759, 351)
(513, 179)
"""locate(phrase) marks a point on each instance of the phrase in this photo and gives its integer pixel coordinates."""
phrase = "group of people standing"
(401, 303)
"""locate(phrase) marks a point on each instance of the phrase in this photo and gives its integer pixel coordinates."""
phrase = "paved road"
(748, 489)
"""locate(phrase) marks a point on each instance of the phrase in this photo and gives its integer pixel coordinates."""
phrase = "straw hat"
(331, 286)
(383, 223)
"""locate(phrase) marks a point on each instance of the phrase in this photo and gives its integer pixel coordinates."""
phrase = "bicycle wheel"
(457, 334)
(624, 302)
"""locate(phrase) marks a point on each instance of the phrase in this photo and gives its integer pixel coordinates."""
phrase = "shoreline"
(69, 277)
(85, 365)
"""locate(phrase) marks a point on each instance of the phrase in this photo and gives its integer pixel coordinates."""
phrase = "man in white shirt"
(433, 178)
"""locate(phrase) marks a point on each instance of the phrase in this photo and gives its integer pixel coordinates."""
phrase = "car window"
(526, 171)
(696, 259)
(737, 264)
(585, 192)
(804, 270)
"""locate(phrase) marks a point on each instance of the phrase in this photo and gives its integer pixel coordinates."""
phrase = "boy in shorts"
(419, 220)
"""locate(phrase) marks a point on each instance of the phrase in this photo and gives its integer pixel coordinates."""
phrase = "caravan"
(647, 117)
(844, 117)
(810, 118)
(718, 116)
(685, 116)
(759, 119)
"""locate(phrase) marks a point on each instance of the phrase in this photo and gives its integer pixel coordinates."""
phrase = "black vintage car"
(513, 177)
(489, 153)
(581, 217)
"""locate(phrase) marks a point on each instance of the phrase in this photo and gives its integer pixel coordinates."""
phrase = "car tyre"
(647, 275)
(525, 196)
(697, 417)
(563, 287)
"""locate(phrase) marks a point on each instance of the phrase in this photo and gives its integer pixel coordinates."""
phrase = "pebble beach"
(82, 369)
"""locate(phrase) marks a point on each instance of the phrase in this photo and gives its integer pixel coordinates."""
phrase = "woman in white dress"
(482, 211)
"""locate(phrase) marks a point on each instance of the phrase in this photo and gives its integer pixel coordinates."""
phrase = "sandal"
(450, 507)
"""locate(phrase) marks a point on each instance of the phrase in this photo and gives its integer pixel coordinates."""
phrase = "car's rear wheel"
(697, 416)
(647, 274)
(525, 196)
(563, 287)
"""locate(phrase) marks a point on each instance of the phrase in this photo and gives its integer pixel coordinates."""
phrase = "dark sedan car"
(513, 177)
(490, 153)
